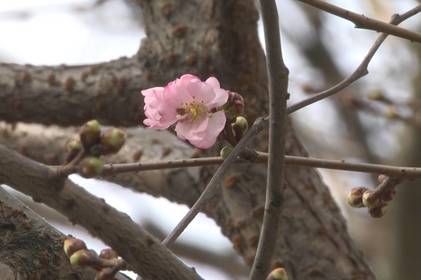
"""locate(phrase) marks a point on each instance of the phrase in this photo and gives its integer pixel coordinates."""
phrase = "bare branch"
(142, 252)
(364, 22)
(278, 95)
(361, 70)
(211, 187)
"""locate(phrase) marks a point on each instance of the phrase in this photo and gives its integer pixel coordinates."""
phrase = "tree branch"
(364, 22)
(142, 252)
(361, 70)
(20, 230)
(278, 95)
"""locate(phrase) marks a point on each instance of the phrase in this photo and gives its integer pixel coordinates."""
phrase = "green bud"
(72, 245)
(112, 140)
(84, 258)
(278, 274)
(92, 167)
(90, 134)
(226, 151)
(73, 147)
(242, 123)
(376, 95)
(370, 199)
(355, 197)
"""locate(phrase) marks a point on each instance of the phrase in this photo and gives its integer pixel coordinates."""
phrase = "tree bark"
(205, 38)
(30, 248)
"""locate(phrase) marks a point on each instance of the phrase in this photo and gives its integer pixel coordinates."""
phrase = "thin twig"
(278, 95)
(361, 70)
(210, 189)
(364, 22)
(390, 170)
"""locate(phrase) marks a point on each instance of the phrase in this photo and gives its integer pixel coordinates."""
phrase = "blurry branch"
(364, 22)
(317, 53)
(142, 252)
(225, 261)
(361, 70)
(117, 168)
(278, 95)
(21, 227)
(212, 187)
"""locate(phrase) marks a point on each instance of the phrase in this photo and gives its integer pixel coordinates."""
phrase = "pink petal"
(215, 126)
(221, 97)
(191, 130)
(201, 92)
(213, 82)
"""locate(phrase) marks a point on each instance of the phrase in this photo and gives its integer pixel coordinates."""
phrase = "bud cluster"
(93, 142)
(107, 263)
(374, 200)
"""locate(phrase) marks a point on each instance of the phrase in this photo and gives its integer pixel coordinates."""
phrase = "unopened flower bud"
(226, 151)
(84, 258)
(73, 147)
(242, 123)
(355, 197)
(90, 134)
(376, 95)
(278, 274)
(370, 199)
(72, 245)
(112, 140)
(108, 254)
(92, 167)
(377, 212)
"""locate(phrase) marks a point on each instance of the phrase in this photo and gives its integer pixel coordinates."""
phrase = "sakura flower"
(190, 103)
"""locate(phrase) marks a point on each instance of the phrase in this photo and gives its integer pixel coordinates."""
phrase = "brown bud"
(377, 212)
(355, 197)
(72, 245)
(370, 199)
(108, 254)
(90, 134)
(112, 140)
(84, 258)
(92, 167)
(278, 274)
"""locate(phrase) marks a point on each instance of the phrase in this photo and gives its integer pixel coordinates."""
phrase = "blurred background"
(377, 120)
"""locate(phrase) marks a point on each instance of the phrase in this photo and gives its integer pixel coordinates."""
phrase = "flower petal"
(213, 82)
(215, 126)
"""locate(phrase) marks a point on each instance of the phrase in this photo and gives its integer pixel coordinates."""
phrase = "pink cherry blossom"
(190, 103)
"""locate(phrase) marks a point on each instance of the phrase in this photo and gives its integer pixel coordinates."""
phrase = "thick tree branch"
(224, 33)
(31, 248)
(237, 207)
(142, 251)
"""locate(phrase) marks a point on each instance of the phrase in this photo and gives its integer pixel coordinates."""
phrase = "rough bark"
(315, 241)
(220, 38)
(30, 248)
(143, 252)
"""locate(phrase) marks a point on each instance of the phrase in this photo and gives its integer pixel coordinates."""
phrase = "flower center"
(193, 111)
